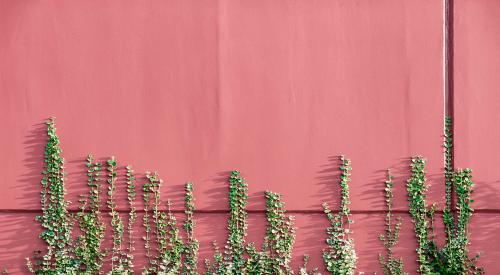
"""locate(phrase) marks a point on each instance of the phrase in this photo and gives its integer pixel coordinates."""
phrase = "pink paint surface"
(276, 89)
(477, 70)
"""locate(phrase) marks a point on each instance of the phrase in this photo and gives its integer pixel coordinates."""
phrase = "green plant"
(237, 224)
(116, 221)
(258, 261)
(276, 253)
(192, 244)
(280, 235)
(416, 187)
(146, 218)
(89, 244)
(218, 266)
(148, 190)
(158, 220)
(233, 259)
(172, 245)
(389, 263)
(132, 217)
(457, 248)
(340, 257)
(241, 258)
(448, 218)
(55, 219)
(169, 244)
(303, 269)
(453, 257)
(86, 254)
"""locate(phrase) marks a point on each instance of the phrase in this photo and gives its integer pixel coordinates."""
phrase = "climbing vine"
(146, 220)
(172, 255)
(448, 218)
(233, 258)
(240, 257)
(457, 248)
(389, 263)
(89, 249)
(192, 245)
(340, 257)
(55, 219)
(280, 235)
(132, 217)
(237, 224)
(149, 188)
(417, 188)
(218, 266)
(453, 257)
(159, 222)
(117, 260)
(168, 251)
(169, 244)
(303, 269)
(276, 253)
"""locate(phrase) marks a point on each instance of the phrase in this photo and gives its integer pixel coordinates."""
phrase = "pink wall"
(476, 74)
(276, 89)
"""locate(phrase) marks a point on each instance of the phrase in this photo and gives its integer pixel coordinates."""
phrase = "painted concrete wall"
(276, 89)
(476, 71)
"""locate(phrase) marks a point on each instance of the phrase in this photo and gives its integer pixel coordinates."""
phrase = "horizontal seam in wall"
(256, 211)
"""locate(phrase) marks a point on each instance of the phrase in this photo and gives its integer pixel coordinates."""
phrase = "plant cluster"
(169, 245)
(169, 253)
(118, 258)
(55, 220)
(276, 252)
(280, 235)
(389, 263)
(89, 244)
(453, 258)
(303, 269)
(240, 257)
(85, 254)
(340, 257)
(448, 218)
(237, 223)
(146, 196)
(233, 259)
(132, 217)
(192, 244)
(172, 254)
(416, 189)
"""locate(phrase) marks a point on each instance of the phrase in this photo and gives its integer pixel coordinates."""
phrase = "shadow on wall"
(17, 241)
(208, 229)
(218, 193)
(27, 188)
(76, 182)
(484, 227)
(400, 172)
(329, 178)
(310, 240)
(372, 196)
(484, 191)
(484, 239)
